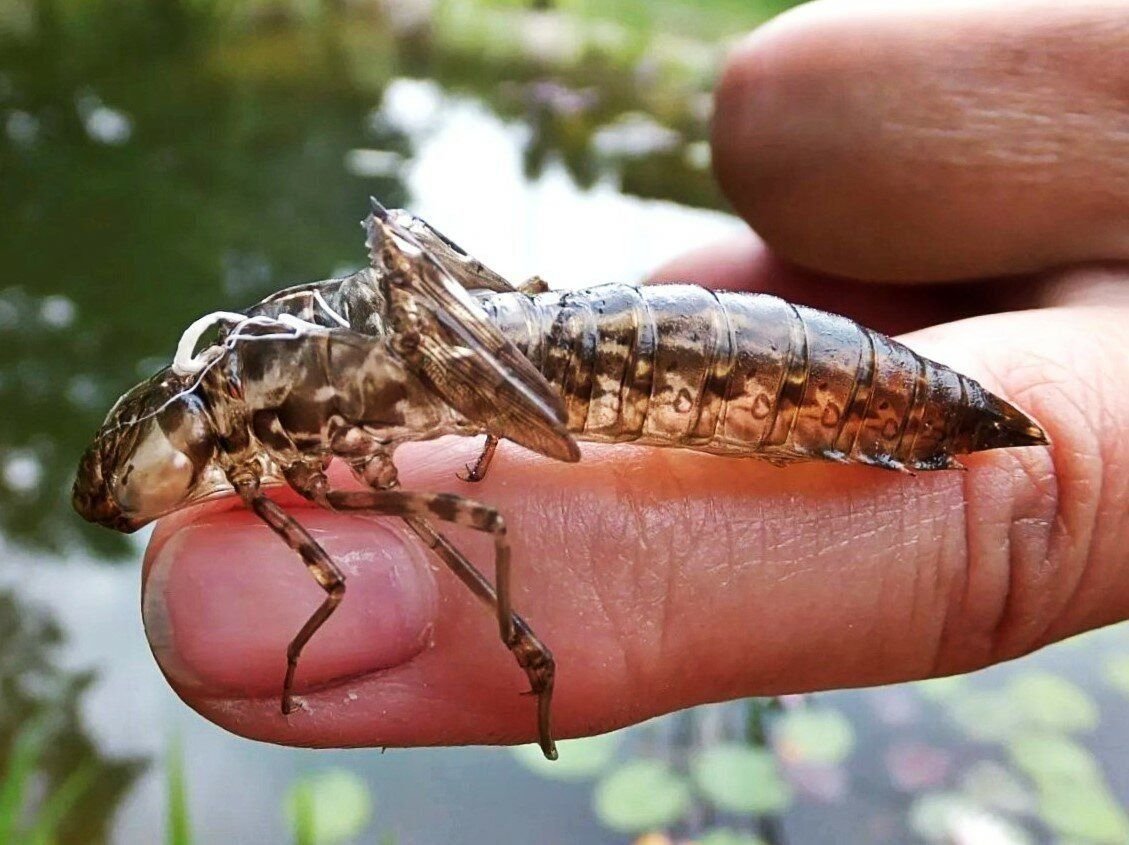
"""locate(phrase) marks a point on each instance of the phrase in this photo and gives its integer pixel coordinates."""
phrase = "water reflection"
(230, 156)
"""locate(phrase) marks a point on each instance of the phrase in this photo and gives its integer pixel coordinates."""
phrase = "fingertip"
(223, 597)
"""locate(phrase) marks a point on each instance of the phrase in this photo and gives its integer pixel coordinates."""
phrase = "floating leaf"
(1051, 760)
(738, 778)
(932, 815)
(1084, 810)
(725, 836)
(328, 807)
(641, 795)
(1073, 798)
(580, 759)
(946, 817)
(942, 689)
(814, 735)
(1049, 701)
(994, 786)
(987, 716)
(1116, 671)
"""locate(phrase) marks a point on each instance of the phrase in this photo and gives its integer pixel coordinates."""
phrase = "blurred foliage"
(740, 779)
(1116, 671)
(178, 823)
(580, 759)
(56, 786)
(38, 824)
(815, 735)
(726, 836)
(741, 774)
(328, 807)
(164, 159)
(641, 795)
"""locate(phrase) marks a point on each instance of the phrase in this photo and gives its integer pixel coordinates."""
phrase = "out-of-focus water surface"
(159, 160)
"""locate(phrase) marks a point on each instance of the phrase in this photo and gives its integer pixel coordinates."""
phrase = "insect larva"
(349, 369)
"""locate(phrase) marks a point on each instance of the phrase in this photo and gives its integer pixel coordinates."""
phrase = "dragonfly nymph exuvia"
(427, 341)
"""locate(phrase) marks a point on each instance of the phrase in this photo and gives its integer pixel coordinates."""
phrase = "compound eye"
(155, 477)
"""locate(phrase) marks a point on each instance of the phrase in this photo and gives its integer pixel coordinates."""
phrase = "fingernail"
(225, 596)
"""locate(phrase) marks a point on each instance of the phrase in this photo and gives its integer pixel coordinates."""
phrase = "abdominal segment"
(749, 374)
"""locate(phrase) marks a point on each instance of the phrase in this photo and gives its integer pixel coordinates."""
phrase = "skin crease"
(663, 579)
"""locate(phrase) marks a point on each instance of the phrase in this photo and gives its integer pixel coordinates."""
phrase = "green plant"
(24, 818)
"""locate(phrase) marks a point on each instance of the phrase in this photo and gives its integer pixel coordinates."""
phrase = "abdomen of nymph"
(738, 373)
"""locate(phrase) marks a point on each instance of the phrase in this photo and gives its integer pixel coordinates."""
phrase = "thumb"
(663, 578)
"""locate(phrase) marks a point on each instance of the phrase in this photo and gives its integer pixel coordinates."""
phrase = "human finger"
(663, 579)
(744, 262)
(931, 141)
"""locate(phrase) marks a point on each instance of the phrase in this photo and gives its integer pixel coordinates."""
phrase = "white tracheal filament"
(333, 315)
(187, 362)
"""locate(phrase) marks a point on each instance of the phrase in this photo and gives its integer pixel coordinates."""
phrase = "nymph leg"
(414, 508)
(477, 471)
(319, 563)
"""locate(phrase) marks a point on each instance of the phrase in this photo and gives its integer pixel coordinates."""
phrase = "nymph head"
(151, 456)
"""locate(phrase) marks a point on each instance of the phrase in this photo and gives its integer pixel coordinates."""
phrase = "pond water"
(161, 161)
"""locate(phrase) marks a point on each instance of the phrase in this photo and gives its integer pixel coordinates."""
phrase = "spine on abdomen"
(738, 373)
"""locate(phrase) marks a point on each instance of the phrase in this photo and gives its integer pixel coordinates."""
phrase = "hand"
(901, 144)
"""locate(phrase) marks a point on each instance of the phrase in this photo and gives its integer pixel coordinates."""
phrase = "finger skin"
(663, 579)
(931, 141)
(743, 262)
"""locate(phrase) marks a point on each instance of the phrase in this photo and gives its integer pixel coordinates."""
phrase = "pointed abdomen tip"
(1004, 426)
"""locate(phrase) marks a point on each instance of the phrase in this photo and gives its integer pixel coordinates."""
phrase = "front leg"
(321, 566)
(415, 509)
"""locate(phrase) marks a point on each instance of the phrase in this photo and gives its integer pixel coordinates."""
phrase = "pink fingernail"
(225, 596)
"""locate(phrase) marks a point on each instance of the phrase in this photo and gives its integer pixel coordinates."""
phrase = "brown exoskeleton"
(427, 341)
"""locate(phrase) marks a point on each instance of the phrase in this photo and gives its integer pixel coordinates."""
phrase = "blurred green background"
(164, 158)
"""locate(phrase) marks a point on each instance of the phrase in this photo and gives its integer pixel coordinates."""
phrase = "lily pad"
(1051, 702)
(931, 815)
(942, 689)
(987, 716)
(1116, 672)
(580, 759)
(330, 806)
(738, 778)
(641, 795)
(1085, 811)
(725, 836)
(1051, 760)
(945, 817)
(814, 735)
(1073, 798)
(994, 786)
